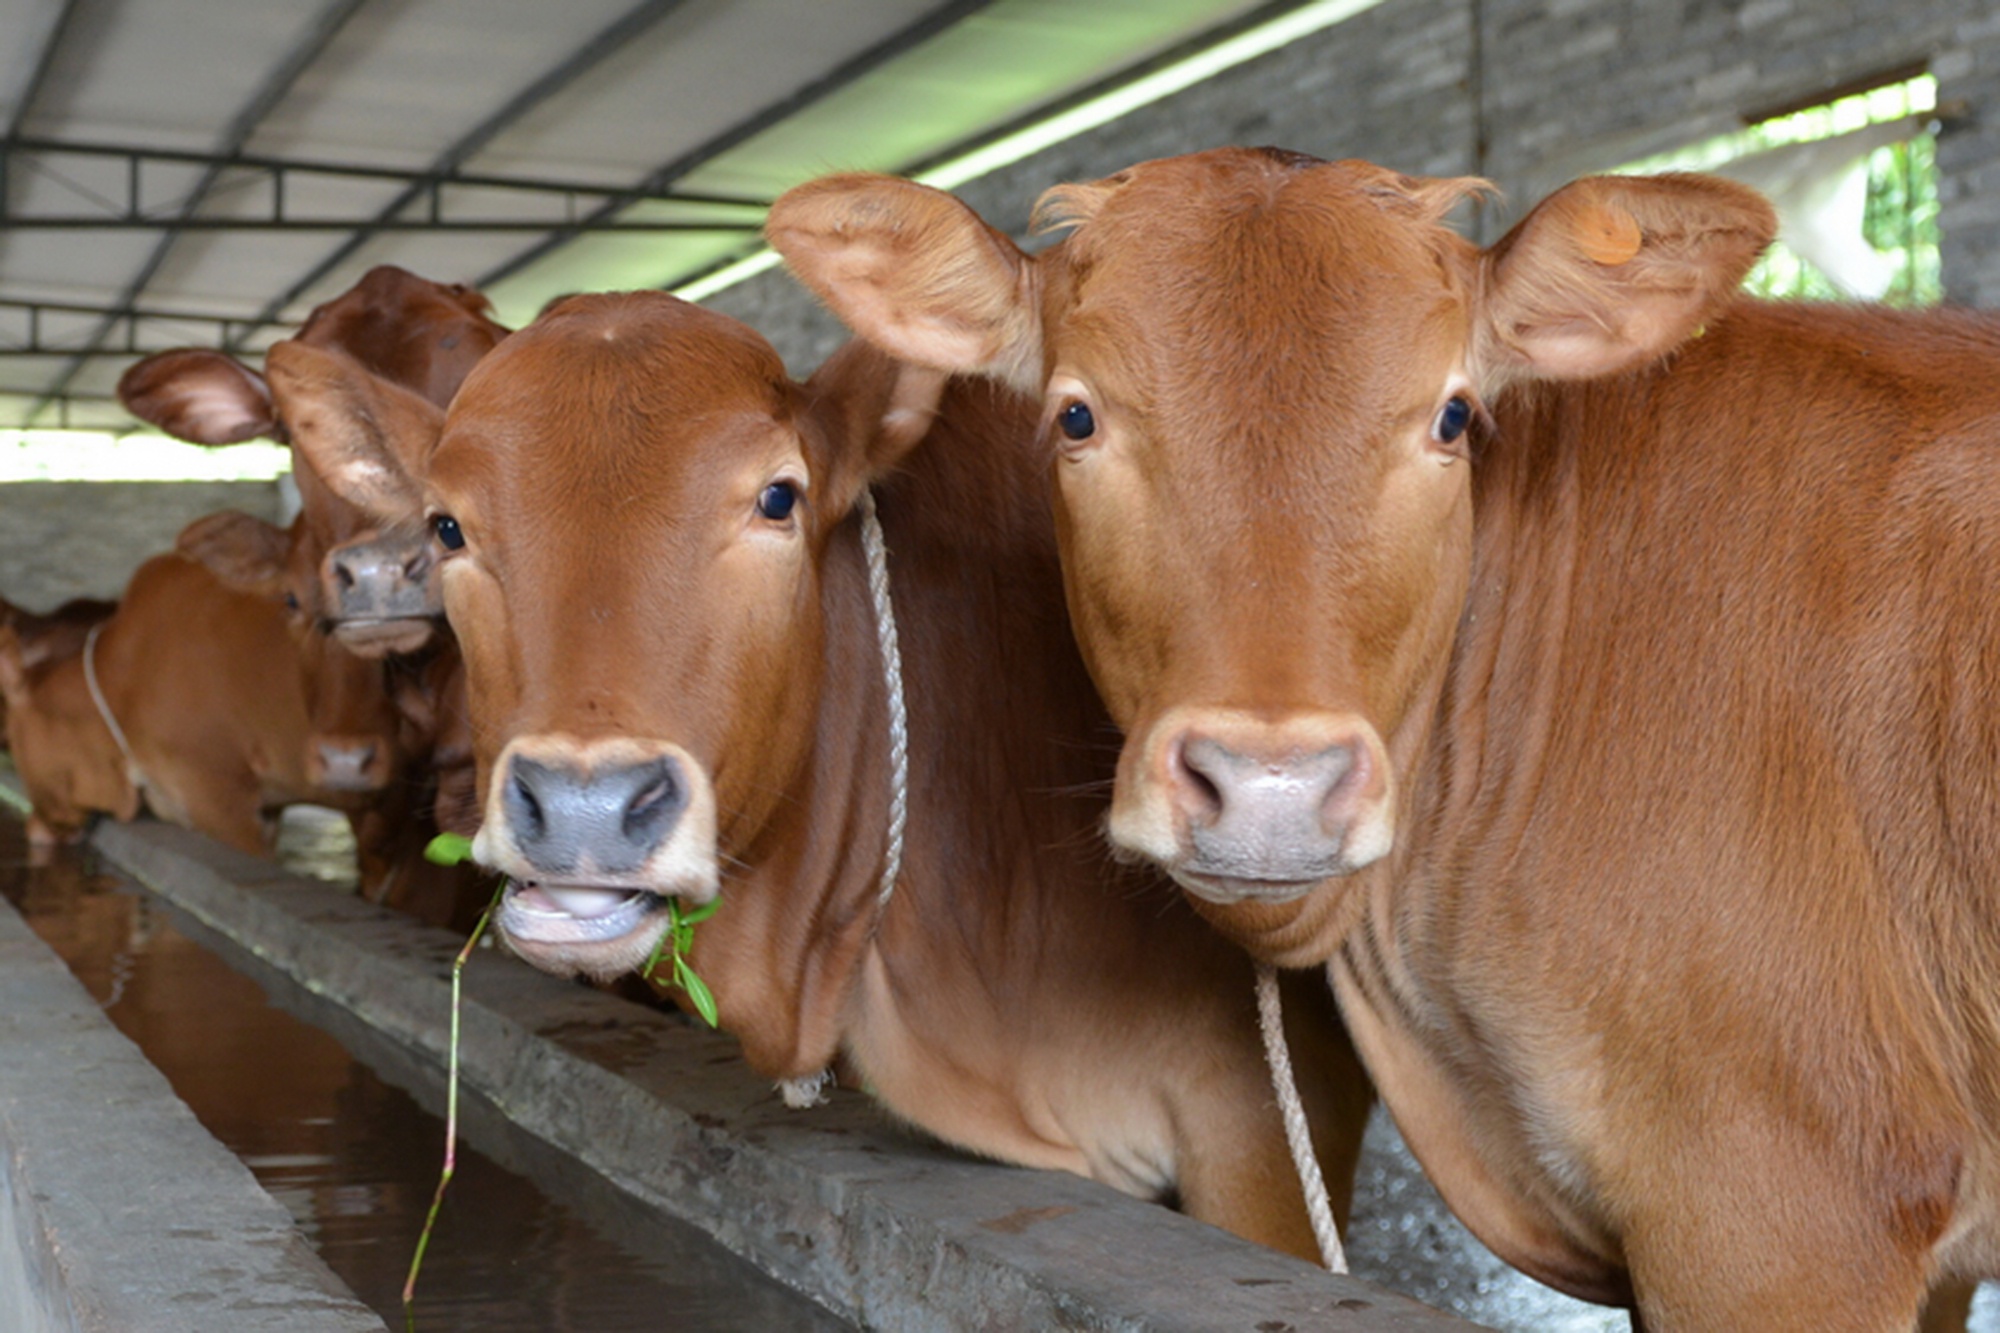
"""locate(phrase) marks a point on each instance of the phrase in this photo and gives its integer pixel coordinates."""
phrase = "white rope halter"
(800, 1093)
(1298, 1134)
(132, 773)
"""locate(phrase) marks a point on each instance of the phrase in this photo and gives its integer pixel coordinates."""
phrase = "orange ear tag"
(1608, 236)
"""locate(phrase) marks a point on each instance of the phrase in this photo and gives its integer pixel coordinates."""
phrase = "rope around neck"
(132, 773)
(877, 552)
(801, 1093)
(1298, 1134)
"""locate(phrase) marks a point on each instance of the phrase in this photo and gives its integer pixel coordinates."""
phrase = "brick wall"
(63, 539)
(1529, 93)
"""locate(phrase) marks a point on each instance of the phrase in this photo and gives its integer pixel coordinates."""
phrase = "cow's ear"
(369, 440)
(245, 553)
(915, 272)
(201, 396)
(1611, 272)
(871, 409)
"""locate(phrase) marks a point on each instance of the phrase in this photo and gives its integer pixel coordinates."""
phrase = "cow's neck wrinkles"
(782, 952)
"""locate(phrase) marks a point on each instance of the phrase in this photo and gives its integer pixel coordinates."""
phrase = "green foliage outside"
(1900, 216)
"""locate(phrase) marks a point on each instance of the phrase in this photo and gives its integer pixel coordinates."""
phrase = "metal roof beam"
(24, 332)
(286, 222)
(319, 35)
(279, 170)
(579, 62)
(663, 177)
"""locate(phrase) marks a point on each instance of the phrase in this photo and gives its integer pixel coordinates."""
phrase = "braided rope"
(1271, 1018)
(132, 773)
(810, 1091)
(877, 551)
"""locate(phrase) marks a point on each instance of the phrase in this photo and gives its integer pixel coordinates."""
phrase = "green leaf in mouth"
(448, 849)
(674, 944)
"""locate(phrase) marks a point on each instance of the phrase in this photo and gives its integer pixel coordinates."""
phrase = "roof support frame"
(278, 169)
(664, 176)
(319, 35)
(565, 72)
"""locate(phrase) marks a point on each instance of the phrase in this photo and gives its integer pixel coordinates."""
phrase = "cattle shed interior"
(205, 172)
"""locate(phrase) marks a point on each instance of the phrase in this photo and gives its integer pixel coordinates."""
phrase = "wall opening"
(1856, 185)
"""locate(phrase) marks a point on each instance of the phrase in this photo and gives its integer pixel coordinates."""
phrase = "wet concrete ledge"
(872, 1222)
(118, 1211)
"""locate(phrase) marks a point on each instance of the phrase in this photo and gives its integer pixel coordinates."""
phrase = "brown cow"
(373, 586)
(41, 636)
(656, 573)
(1629, 757)
(374, 589)
(210, 693)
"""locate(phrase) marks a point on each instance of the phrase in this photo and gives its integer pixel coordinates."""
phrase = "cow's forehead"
(1231, 283)
(619, 388)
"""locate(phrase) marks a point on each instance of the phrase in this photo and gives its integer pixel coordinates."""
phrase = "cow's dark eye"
(449, 535)
(292, 601)
(1077, 421)
(777, 501)
(1452, 420)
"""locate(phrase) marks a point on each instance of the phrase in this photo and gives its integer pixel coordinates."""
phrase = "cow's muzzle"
(595, 837)
(1240, 808)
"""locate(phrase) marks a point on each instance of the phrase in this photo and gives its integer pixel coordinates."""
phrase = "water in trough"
(355, 1158)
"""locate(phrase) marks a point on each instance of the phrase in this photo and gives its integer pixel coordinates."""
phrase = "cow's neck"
(991, 673)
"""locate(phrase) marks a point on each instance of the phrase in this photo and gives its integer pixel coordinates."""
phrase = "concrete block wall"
(1528, 93)
(64, 539)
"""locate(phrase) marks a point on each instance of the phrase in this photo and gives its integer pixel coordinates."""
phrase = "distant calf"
(654, 563)
(205, 705)
(45, 635)
(1598, 670)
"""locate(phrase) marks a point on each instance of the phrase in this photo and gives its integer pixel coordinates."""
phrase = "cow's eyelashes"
(449, 534)
(777, 501)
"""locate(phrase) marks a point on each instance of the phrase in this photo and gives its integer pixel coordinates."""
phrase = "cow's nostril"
(650, 801)
(524, 810)
(1199, 794)
(344, 576)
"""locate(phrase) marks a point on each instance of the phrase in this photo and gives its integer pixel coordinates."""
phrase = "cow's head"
(632, 503)
(352, 745)
(1264, 380)
(374, 584)
(66, 756)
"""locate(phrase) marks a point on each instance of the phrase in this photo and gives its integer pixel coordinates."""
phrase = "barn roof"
(205, 171)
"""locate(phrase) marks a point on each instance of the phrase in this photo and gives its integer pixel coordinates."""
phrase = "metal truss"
(265, 206)
(25, 329)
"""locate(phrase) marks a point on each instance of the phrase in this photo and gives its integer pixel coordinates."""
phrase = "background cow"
(1596, 669)
(215, 700)
(655, 568)
(41, 636)
(372, 587)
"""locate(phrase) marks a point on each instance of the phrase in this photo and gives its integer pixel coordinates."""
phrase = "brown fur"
(426, 337)
(1018, 997)
(1679, 975)
(217, 720)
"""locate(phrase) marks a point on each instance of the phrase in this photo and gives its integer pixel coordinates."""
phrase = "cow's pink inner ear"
(1611, 272)
(912, 270)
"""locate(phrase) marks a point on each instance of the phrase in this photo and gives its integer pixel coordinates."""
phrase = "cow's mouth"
(540, 913)
(377, 638)
(1226, 890)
